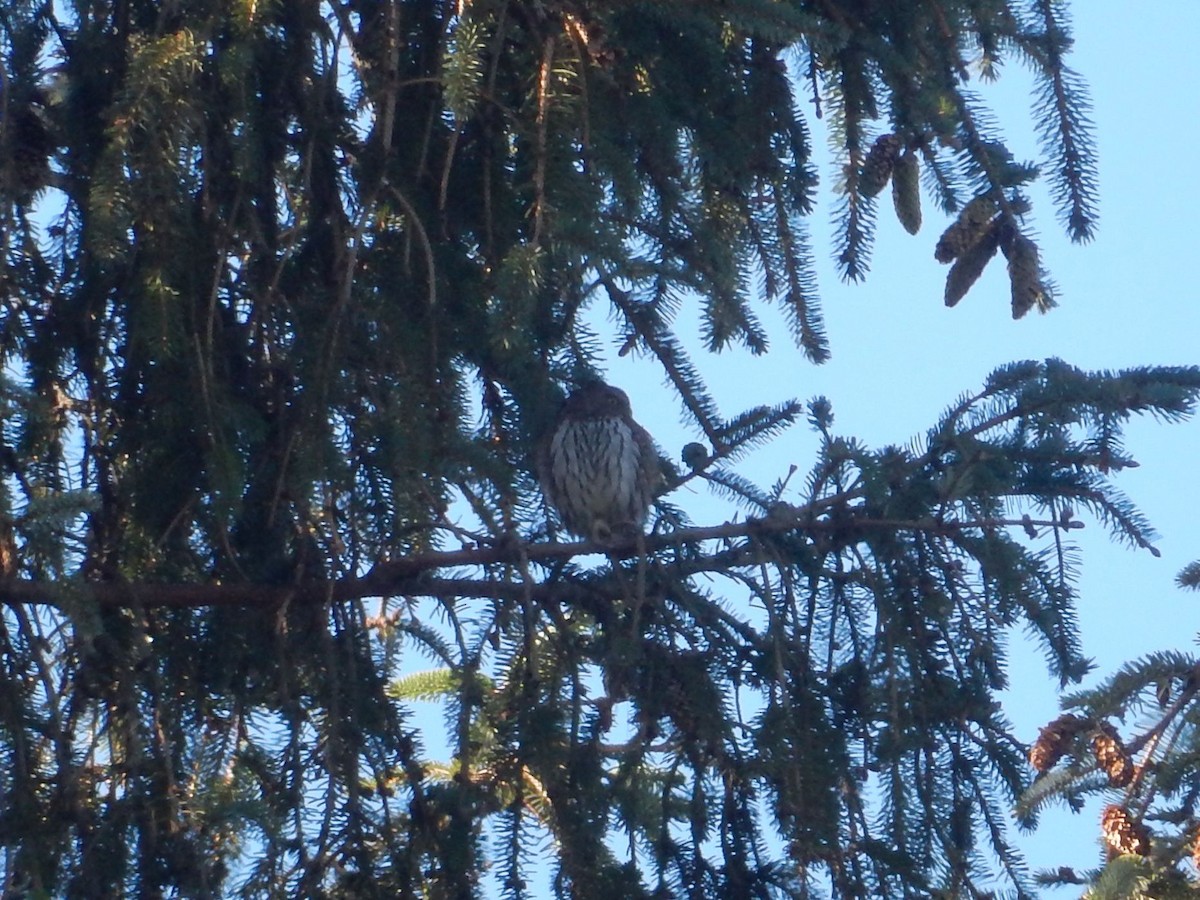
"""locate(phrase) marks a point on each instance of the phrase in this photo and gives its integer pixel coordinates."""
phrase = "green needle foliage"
(1150, 825)
(292, 291)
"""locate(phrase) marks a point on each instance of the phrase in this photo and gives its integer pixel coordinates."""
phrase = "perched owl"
(598, 467)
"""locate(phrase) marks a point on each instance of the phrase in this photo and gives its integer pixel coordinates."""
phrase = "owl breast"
(596, 474)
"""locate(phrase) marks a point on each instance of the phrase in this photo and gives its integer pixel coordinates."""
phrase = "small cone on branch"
(1123, 833)
(877, 167)
(695, 455)
(1025, 273)
(970, 265)
(972, 222)
(906, 192)
(1111, 755)
(1196, 850)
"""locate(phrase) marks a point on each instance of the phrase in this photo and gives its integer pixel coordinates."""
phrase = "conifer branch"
(681, 376)
(1066, 133)
(414, 576)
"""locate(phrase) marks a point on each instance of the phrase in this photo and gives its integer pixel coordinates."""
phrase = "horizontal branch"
(414, 576)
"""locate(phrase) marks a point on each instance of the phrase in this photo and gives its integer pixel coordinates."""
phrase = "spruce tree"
(293, 291)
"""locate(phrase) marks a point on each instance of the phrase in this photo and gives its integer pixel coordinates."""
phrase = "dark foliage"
(284, 282)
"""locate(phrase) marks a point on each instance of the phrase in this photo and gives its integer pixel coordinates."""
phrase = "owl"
(599, 468)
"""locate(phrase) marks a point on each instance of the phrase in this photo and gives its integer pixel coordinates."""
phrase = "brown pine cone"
(906, 192)
(1054, 739)
(1111, 755)
(1123, 833)
(877, 167)
(1025, 273)
(972, 223)
(970, 265)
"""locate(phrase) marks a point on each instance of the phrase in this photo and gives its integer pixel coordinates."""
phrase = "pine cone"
(1111, 755)
(695, 456)
(970, 265)
(966, 230)
(1025, 273)
(1123, 833)
(877, 167)
(1196, 850)
(906, 192)
(1053, 740)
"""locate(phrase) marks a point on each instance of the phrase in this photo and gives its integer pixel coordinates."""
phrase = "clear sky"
(1128, 298)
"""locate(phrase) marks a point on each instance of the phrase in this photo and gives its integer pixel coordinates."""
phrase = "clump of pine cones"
(984, 225)
(1123, 831)
(1055, 740)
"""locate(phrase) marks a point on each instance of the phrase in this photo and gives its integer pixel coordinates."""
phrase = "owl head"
(597, 400)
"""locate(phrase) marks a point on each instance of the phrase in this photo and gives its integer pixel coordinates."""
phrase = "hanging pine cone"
(877, 167)
(1123, 833)
(970, 265)
(1054, 739)
(1111, 755)
(1025, 273)
(969, 227)
(906, 192)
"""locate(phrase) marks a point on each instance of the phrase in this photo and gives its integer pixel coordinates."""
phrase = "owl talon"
(620, 533)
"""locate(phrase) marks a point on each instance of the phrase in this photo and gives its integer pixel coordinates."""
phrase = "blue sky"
(1128, 298)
